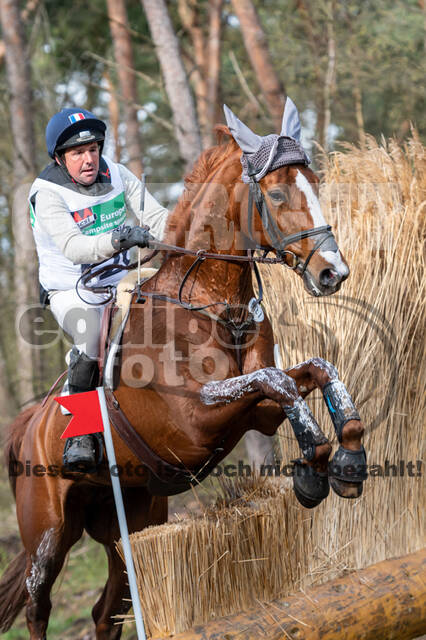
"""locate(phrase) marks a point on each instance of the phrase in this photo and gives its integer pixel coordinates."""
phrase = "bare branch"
(110, 63)
(243, 82)
(164, 123)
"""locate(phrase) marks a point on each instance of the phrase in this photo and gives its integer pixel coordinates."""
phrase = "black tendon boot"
(80, 451)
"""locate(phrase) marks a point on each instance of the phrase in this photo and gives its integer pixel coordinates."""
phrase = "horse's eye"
(278, 196)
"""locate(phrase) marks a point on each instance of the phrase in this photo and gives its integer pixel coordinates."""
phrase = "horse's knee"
(322, 371)
(276, 384)
(42, 565)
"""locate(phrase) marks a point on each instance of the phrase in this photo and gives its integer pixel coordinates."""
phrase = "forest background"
(158, 73)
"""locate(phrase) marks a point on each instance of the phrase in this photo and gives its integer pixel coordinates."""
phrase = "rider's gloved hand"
(126, 237)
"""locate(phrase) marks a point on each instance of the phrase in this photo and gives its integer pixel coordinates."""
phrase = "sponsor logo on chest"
(84, 218)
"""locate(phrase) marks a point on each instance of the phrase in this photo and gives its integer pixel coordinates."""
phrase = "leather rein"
(279, 242)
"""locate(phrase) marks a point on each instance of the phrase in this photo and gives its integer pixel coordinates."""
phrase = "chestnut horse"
(197, 372)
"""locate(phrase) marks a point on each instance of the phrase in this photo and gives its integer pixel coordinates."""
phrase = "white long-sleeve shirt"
(54, 218)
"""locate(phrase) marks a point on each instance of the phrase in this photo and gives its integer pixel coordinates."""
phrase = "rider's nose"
(330, 277)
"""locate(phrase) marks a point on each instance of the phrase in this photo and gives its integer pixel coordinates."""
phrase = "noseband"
(278, 240)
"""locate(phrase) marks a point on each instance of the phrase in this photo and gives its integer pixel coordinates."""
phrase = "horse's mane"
(205, 166)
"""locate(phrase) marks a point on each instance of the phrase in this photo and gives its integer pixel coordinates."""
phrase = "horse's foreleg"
(348, 465)
(311, 485)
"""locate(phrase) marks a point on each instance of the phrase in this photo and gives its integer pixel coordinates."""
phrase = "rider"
(79, 205)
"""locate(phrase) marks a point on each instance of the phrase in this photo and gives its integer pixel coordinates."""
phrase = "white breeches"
(81, 321)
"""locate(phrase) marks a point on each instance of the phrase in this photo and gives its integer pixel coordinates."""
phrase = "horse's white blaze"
(332, 257)
(311, 199)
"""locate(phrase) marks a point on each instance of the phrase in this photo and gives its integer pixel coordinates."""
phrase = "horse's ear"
(291, 122)
(248, 141)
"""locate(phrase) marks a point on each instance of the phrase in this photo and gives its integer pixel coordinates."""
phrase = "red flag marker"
(87, 416)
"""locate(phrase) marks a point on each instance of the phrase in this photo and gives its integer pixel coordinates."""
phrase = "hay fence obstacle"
(241, 570)
(385, 601)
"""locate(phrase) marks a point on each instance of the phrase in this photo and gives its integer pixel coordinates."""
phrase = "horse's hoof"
(310, 487)
(350, 490)
(347, 472)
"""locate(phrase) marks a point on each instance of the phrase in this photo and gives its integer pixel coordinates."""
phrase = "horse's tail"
(13, 592)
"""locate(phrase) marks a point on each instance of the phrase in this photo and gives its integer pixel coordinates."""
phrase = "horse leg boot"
(310, 479)
(348, 466)
(80, 451)
(347, 470)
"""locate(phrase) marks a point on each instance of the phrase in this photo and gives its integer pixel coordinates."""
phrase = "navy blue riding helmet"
(71, 128)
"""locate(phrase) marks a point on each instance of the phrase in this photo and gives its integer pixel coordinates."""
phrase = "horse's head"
(284, 213)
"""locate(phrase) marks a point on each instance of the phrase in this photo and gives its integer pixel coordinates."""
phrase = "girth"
(164, 479)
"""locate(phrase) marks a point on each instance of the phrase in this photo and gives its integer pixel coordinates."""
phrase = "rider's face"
(83, 163)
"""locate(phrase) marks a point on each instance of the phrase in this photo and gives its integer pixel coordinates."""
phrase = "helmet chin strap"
(59, 159)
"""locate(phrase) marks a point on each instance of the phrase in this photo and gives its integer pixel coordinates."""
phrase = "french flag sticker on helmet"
(75, 117)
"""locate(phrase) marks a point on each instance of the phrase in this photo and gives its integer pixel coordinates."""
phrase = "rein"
(279, 242)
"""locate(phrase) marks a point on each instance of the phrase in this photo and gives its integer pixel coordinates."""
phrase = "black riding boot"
(80, 451)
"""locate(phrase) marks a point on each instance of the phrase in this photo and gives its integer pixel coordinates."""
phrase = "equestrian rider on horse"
(80, 206)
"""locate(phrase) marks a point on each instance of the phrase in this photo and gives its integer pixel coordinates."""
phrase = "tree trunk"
(7, 405)
(206, 57)
(358, 110)
(189, 15)
(315, 45)
(385, 600)
(26, 12)
(123, 54)
(21, 115)
(258, 52)
(330, 74)
(213, 55)
(176, 82)
(114, 114)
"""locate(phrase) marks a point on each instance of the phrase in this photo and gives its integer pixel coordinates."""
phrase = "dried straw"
(224, 561)
(373, 331)
(266, 545)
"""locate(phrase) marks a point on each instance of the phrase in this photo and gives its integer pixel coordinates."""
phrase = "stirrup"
(310, 486)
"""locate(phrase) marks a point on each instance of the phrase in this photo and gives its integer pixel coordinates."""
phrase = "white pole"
(141, 210)
(118, 497)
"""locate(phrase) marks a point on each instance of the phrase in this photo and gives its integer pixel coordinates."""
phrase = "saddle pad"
(124, 295)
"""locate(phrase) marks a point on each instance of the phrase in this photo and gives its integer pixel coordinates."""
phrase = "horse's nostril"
(329, 277)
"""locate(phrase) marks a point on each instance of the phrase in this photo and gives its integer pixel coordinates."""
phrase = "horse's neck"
(210, 226)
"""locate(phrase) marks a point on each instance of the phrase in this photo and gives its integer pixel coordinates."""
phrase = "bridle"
(278, 241)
